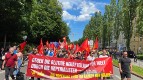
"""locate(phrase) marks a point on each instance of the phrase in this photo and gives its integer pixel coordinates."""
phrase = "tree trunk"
(128, 43)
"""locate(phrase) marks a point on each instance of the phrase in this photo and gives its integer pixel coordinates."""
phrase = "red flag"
(55, 52)
(40, 48)
(22, 46)
(52, 45)
(66, 46)
(59, 47)
(64, 38)
(95, 44)
(47, 44)
(71, 46)
(85, 46)
(77, 48)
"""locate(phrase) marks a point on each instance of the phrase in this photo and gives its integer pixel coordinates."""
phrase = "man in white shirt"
(103, 55)
(91, 57)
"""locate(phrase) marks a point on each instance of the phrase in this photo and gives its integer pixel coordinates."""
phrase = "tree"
(129, 7)
(93, 29)
(118, 20)
(139, 17)
(45, 21)
(10, 19)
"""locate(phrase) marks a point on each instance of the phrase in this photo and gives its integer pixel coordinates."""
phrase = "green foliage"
(93, 29)
(45, 21)
(140, 57)
(139, 11)
(10, 19)
(34, 18)
(118, 18)
(128, 9)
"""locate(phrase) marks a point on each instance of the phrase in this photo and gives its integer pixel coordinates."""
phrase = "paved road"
(138, 63)
(116, 75)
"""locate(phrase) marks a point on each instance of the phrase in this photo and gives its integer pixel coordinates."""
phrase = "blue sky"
(77, 13)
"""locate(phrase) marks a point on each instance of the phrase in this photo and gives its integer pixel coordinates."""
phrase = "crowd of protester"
(14, 55)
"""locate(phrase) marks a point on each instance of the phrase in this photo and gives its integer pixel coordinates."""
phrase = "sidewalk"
(138, 63)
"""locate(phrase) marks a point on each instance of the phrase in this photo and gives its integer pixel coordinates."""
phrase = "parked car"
(131, 54)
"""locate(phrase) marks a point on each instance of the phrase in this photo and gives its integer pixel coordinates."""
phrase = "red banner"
(59, 68)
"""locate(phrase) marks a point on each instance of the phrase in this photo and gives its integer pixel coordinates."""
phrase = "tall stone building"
(136, 43)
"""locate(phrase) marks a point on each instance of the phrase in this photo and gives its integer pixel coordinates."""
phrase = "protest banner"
(62, 68)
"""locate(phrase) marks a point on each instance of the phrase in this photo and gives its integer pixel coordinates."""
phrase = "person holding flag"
(35, 52)
(19, 60)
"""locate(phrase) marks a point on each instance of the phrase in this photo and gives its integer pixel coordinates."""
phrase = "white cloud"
(67, 16)
(68, 24)
(87, 8)
(101, 4)
(67, 5)
(83, 17)
(84, 7)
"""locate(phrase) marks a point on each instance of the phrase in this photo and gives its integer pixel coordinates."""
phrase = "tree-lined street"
(104, 29)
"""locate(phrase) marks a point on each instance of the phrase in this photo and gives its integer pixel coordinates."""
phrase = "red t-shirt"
(10, 60)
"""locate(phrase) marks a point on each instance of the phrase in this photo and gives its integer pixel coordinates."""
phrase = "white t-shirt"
(90, 58)
(101, 56)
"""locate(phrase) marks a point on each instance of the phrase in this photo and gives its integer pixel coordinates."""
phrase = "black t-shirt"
(125, 64)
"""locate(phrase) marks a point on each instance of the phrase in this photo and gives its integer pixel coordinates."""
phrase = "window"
(140, 38)
(134, 38)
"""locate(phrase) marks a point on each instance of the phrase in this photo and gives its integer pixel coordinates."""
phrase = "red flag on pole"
(52, 45)
(40, 48)
(77, 48)
(22, 46)
(66, 46)
(71, 46)
(55, 52)
(47, 44)
(64, 39)
(85, 47)
(96, 44)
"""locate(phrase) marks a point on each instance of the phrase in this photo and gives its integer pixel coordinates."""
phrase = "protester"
(15, 49)
(114, 54)
(61, 54)
(71, 56)
(125, 67)
(135, 57)
(46, 50)
(35, 52)
(50, 53)
(66, 54)
(20, 59)
(10, 62)
(79, 56)
(91, 57)
(104, 54)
